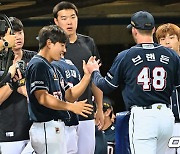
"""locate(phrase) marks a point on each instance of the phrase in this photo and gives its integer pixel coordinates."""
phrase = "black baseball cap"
(142, 20)
(107, 103)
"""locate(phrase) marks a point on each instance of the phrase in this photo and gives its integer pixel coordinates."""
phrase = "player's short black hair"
(16, 24)
(64, 5)
(52, 32)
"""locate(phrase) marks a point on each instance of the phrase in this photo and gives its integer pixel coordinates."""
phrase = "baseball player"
(168, 35)
(147, 73)
(109, 125)
(72, 76)
(105, 138)
(79, 48)
(47, 91)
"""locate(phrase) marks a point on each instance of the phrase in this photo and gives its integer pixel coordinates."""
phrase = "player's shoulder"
(28, 52)
(68, 61)
(122, 54)
(85, 38)
(39, 62)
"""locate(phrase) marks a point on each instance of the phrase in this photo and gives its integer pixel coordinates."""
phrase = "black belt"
(158, 106)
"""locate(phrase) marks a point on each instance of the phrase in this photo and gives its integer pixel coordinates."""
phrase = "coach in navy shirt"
(147, 73)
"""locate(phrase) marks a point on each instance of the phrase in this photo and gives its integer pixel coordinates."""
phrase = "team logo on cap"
(133, 24)
(148, 24)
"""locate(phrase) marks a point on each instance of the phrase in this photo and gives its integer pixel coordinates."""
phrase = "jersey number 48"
(157, 81)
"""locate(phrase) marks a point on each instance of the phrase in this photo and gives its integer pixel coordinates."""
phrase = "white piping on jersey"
(40, 87)
(171, 102)
(177, 86)
(177, 103)
(147, 48)
(110, 83)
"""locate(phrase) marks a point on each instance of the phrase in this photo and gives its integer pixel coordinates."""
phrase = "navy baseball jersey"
(110, 138)
(42, 76)
(72, 76)
(146, 72)
(101, 143)
(82, 49)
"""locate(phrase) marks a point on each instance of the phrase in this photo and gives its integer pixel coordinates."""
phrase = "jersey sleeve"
(112, 79)
(38, 77)
(115, 75)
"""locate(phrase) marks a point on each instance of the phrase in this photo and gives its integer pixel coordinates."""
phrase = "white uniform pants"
(15, 147)
(28, 149)
(86, 137)
(48, 137)
(71, 139)
(150, 129)
(176, 132)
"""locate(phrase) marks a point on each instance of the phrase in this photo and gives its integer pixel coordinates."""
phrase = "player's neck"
(18, 54)
(145, 39)
(72, 38)
(45, 54)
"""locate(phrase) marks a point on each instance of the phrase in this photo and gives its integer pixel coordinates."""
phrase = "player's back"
(149, 72)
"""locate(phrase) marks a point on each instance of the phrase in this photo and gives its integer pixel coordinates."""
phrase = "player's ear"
(48, 43)
(153, 31)
(56, 21)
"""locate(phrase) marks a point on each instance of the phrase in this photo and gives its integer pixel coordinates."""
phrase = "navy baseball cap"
(142, 20)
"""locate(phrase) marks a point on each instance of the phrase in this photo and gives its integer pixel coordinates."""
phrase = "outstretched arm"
(50, 101)
(93, 67)
(72, 94)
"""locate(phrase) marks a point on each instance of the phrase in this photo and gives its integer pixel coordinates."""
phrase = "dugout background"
(104, 20)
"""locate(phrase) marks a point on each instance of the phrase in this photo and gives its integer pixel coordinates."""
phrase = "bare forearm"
(22, 90)
(98, 94)
(51, 101)
(5, 92)
(75, 92)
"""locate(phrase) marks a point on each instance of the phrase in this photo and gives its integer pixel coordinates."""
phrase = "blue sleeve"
(38, 77)
(101, 82)
(113, 77)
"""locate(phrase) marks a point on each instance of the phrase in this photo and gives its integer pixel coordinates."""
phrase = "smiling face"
(56, 50)
(67, 20)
